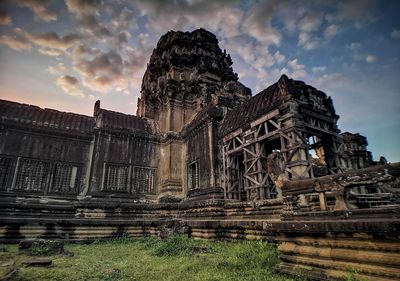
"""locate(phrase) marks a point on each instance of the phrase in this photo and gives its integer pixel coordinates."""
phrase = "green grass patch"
(41, 250)
(147, 258)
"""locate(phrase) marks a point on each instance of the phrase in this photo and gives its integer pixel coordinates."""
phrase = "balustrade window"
(32, 175)
(66, 178)
(6, 172)
(193, 175)
(143, 179)
(116, 177)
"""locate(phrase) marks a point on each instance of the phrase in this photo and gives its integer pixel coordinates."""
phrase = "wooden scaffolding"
(285, 135)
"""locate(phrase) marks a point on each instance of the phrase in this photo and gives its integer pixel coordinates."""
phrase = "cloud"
(91, 26)
(16, 43)
(50, 42)
(308, 27)
(256, 57)
(57, 69)
(371, 58)
(222, 17)
(395, 34)
(87, 18)
(279, 58)
(83, 7)
(123, 25)
(5, 19)
(297, 69)
(330, 31)
(258, 23)
(125, 21)
(110, 62)
(307, 41)
(354, 46)
(70, 85)
(138, 56)
(317, 69)
(39, 8)
(327, 80)
(117, 70)
(103, 72)
(81, 51)
(178, 14)
(359, 12)
(50, 52)
(311, 22)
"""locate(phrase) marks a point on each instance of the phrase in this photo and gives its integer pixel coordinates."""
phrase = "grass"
(146, 258)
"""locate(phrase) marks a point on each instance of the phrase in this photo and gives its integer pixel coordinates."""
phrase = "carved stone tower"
(187, 71)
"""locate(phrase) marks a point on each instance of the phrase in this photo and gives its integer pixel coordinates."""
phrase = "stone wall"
(45, 156)
(323, 244)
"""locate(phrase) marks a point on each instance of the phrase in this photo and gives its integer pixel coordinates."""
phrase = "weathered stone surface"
(173, 228)
(203, 158)
(186, 71)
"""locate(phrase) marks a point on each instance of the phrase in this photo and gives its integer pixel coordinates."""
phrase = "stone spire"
(185, 72)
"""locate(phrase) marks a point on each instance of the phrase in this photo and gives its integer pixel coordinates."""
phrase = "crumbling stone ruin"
(203, 154)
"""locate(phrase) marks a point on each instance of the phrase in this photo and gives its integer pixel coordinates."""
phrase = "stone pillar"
(211, 155)
(171, 168)
(299, 158)
(88, 167)
(322, 201)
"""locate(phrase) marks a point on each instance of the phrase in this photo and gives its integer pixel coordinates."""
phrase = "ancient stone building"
(169, 150)
(204, 153)
(197, 131)
(355, 150)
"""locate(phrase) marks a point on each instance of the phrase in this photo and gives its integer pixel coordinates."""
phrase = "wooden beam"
(235, 150)
(232, 135)
(278, 126)
(251, 179)
(265, 118)
(251, 152)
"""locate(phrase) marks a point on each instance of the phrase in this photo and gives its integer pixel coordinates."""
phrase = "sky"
(66, 54)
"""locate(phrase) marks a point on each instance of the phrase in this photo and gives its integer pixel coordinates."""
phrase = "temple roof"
(271, 98)
(210, 111)
(116, 121)
(34, 116)
(45, 118)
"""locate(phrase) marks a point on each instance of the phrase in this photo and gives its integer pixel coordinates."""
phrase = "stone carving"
(203, 158)
(188, 59)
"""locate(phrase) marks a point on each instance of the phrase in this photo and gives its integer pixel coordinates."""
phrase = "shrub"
(41, 250)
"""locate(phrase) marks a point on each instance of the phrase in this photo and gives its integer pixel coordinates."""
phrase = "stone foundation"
(323, 243)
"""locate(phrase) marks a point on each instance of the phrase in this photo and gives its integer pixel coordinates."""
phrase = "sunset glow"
(68, 54)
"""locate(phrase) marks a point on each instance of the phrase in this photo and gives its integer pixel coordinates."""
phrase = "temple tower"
(186, 72)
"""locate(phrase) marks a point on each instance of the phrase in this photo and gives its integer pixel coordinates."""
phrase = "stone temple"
(204, 157)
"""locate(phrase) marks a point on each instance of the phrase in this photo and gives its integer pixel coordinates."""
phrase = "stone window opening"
(66, 177)
(7, 165)
(115, 177)
(144, 180)
(273, 163)
(32, 175)
(193, 175)
(316, 154)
